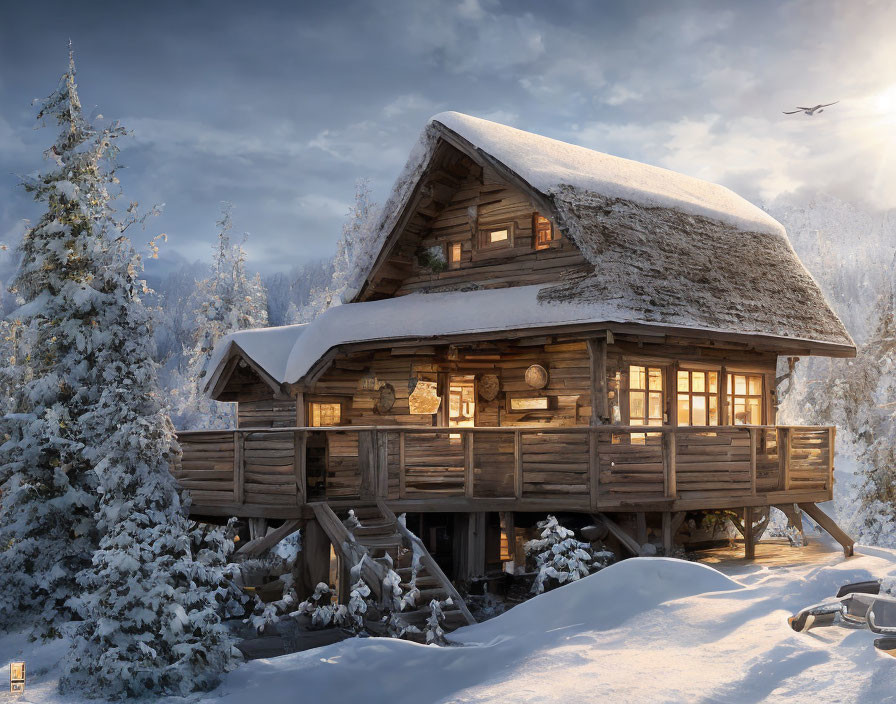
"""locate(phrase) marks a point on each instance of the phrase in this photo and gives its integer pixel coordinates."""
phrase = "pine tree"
(47, 529)
(354, 252)
(227, 301)
(560, 558)
(153, 595)
(877, 427)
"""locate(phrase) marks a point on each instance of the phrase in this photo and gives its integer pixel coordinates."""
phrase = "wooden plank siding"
(521, 469)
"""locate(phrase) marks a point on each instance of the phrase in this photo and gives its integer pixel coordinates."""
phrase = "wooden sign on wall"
(489, 386)
(537, 376)
(387, 399)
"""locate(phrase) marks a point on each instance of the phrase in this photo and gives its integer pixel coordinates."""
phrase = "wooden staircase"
(382, 542)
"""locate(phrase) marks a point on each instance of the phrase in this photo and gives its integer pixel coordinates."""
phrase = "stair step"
(373, 529)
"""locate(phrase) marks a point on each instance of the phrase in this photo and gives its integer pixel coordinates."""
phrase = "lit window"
(645, 398)
(424, 399)
(745, 399)
(497, 236)
(698, 398)
(454, 252)
(324, 415)
(544, 231)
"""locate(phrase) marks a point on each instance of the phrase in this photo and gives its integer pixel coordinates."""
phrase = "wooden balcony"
(275, 473)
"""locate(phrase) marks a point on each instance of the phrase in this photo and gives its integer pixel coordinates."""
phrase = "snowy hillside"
(646, 629)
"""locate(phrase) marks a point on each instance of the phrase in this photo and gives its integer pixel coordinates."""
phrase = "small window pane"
(755, 385)
(713, 410)
(740, 412)
(754, 412)
(498, 236)
(712, 382)
(698, 382)
(684, 410)
(636, 404)
(455, 252)
(683, 381)
(655, 379)
(656, 406)
(729, 384)
(740, 384)
(636, 378)
(636, 421)
(698, 410)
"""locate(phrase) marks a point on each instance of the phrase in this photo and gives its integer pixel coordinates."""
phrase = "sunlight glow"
(885, 103)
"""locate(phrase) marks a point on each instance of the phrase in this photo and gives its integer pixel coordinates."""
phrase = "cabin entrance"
(461, 401)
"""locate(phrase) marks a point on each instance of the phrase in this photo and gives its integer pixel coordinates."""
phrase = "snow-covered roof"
(269, 348)
(548, 164)
(288, 353)
(664, 245)
(667, 250)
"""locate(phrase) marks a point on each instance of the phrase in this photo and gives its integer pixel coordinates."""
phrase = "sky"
(280, 107)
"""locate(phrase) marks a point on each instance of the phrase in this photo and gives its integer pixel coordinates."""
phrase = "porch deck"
(276, 472)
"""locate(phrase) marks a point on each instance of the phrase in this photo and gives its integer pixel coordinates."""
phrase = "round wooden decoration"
(387, 398)
(489, 385)
(537, 376)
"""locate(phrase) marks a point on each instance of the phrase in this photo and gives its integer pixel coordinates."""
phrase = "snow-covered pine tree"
(354, 252)
(153, 595)
(560, 558)
(877, 431)
(229, 300)
(47, 527)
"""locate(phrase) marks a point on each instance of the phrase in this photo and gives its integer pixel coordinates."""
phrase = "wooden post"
(641, 527)
(594, 467)
(508, 526)
(670, 481)
(597, 353)
(753, 446)
(749, 542)
(832, 435)
(468, 464)
(723, 398)
(469, 545)
(299, 466)
(300, 410)
(401, 478)
(518, 464)
(239, 496)
(822, 519)
(382, 464)
(784, 458)
(367, 464)
(667, 533)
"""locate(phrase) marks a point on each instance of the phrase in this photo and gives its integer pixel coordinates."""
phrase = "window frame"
(485, 230)
(449, 250)
(341, 401)
(551, 232)
(706, 393)
(732, 395)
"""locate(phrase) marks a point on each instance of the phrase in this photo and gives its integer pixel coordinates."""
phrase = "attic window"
(543, 230)
(496, 236)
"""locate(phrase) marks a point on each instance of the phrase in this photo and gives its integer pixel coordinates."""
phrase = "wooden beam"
(468, 464)
(754, 444)
(617, 531)
(517, 464)
(667, 533)
(749, 537)
(641, 527)
(299, 466)
(367, 465)
(257, 547)
(784, 458)
(594, 469)
(402, 478)
(670, 478)
(826, 522)
(314, 560)
(239, 466)
(597, 354)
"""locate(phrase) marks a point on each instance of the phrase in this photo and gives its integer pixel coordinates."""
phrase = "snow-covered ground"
(646, 629)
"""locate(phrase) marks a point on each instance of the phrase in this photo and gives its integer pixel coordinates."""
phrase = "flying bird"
(810, 111)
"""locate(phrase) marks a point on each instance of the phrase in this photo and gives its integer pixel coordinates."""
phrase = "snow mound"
(605, 599)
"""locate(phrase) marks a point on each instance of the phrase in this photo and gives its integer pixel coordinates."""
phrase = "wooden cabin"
(539, 328)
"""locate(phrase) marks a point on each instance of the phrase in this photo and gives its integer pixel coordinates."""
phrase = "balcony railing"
(574, 468)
